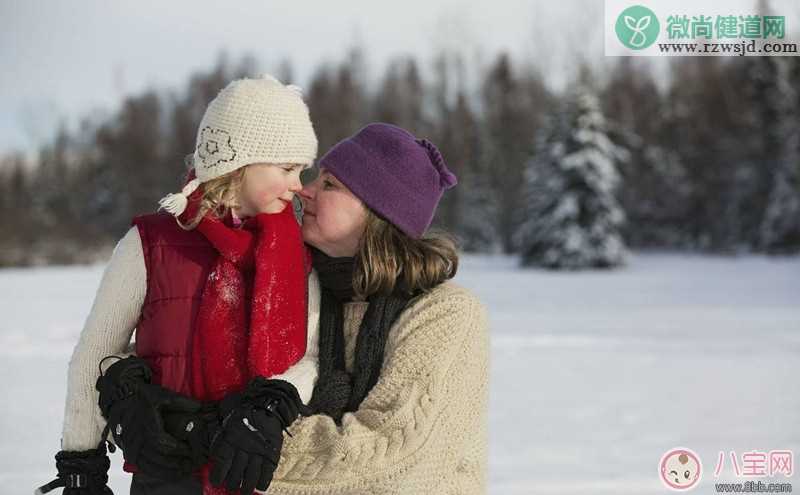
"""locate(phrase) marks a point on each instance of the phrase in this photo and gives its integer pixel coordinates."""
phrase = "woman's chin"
(308, 233)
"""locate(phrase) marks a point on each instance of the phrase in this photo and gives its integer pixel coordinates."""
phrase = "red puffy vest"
(178, 263)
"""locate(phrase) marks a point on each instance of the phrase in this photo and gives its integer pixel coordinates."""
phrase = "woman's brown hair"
(388, 259)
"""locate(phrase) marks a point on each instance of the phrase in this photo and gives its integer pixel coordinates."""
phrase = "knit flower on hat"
(215, 147)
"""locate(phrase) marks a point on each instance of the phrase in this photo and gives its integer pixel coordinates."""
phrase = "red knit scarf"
(253, 312)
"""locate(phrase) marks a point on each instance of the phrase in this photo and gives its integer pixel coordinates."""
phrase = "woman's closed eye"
(326, 184)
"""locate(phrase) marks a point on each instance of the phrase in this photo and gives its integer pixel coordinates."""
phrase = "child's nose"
(296, 185)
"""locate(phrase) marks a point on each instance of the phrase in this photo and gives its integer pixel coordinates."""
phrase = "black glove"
(135, 410)
(247, 448)
(81, 473)
(195, 429)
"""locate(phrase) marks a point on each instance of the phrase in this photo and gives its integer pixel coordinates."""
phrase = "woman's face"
(268, 188)
(333, 218)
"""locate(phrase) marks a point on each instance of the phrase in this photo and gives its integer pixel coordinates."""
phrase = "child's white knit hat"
(250, 121)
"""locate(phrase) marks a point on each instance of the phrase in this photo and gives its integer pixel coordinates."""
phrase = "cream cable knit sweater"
(108, 330)
(422, 428)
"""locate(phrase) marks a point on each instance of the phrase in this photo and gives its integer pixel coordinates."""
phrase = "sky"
(63, 60)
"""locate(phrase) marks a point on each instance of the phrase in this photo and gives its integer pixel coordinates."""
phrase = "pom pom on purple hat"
(447, 178)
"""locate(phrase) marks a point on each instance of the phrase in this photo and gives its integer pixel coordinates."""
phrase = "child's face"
(268, 188)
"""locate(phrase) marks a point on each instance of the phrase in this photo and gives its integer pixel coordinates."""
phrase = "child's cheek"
(268, 194)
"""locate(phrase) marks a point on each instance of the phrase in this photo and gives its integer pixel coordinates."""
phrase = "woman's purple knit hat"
(400, 177)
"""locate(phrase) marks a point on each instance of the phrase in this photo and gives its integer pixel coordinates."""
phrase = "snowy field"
(594, 374)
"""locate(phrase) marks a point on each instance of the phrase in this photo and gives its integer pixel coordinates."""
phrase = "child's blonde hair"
(219, 195)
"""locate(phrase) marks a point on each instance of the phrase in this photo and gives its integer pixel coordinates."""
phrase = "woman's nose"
(306, 193)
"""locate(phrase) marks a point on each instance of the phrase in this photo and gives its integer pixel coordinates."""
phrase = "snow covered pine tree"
(571, 218)
(780, 227)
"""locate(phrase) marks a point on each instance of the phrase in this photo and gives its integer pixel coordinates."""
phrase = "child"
(216, 290)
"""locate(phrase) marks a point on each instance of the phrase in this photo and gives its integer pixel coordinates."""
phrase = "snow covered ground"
(594, 374)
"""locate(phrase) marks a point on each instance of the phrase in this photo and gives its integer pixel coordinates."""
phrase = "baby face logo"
(680, 469)
(637, 27)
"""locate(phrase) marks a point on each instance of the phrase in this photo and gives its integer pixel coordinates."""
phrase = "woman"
(401, 396)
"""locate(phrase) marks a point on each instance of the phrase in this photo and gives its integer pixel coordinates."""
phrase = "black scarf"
(338, 391)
